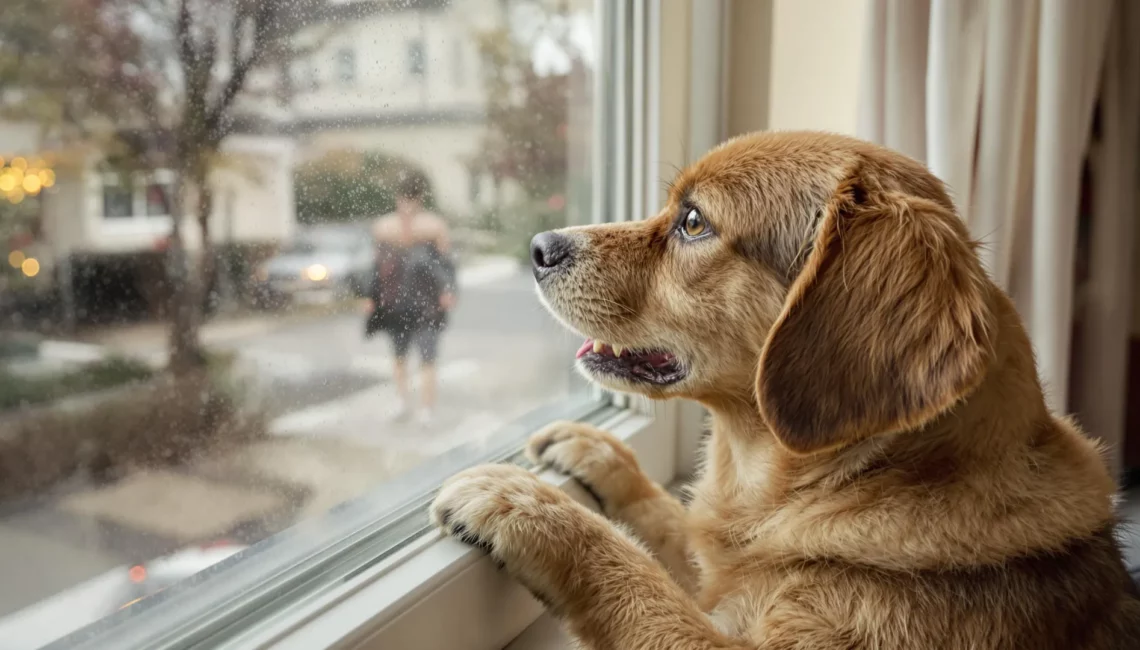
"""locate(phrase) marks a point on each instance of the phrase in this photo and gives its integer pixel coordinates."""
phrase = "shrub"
(164, 420)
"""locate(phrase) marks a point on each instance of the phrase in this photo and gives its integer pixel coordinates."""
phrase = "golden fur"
(882, 471)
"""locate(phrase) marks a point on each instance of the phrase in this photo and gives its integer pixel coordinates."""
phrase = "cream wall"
(816, 50)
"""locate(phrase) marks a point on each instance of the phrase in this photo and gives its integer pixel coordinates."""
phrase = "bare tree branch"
(241, 68)
(185, 39)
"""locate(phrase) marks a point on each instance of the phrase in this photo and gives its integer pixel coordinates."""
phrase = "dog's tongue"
(586, 347)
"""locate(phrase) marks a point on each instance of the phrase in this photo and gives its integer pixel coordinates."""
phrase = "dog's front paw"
(602, 464)
(496, 507)
(530, 528)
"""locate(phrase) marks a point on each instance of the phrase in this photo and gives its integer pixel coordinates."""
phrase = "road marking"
(308, 419)
(71, 351)
(279, 364)
(334, 413)
(379, 365)
(486, 271)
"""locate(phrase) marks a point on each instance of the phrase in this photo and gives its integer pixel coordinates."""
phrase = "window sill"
(547, 633)
(398, 603)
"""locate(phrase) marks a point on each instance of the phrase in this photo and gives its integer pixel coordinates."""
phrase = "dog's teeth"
(617, 350)
(598, 347)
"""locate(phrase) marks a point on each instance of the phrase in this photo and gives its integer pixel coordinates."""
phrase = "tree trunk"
(186, 297)
(209, 263)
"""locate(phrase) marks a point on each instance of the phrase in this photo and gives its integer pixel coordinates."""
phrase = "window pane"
(343, 310)
(117, 201)
(157, 200)
(416, 63)
(346, 66)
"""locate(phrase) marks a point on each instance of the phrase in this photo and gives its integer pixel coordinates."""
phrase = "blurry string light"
(30, 267)
(20, 178)
(15, 259)
(32, 184)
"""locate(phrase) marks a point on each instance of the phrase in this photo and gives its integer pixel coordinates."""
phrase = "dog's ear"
(885, 327)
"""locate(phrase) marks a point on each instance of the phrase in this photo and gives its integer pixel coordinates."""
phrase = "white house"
(399, 78)
(93, 211)
(89, 211)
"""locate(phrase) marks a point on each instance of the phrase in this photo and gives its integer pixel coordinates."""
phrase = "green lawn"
(17, 390)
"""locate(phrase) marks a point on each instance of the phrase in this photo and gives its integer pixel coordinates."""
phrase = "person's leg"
(428, 342)
(401, 343)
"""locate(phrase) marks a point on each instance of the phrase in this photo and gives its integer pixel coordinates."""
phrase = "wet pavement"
(333, 438)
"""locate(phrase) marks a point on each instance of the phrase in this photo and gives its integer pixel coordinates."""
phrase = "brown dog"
(883, 471)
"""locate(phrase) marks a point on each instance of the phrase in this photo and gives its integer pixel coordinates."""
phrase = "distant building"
(405, 79)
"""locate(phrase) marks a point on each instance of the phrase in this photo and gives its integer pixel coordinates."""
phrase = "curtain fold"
(1107, 310)
(998, 99)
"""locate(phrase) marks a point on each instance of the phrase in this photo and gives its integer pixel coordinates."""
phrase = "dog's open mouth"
(645, 366)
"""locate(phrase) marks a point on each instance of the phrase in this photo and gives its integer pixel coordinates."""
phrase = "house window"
(118, 200)
(138, 196)
(474, 186)
(304, 75)
(417, 63)
(158, 200)
(458, 63)
(346, 66)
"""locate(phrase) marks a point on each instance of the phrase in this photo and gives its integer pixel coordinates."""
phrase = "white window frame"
(436, 593)
(439, 594)
(139, 222)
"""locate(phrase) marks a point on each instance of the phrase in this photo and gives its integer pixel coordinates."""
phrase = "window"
(135, 196)
(158, 200)
(246, 450)
(304, 75)
(346, 66)
(417, 64)
(118, 200)
(474, 185)
(458, 63)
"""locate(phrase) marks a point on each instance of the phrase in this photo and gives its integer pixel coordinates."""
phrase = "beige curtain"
(998, 98)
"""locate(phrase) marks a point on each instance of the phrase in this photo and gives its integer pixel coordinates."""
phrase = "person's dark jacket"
(406, 287)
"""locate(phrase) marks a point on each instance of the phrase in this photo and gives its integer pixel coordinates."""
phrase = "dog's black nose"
(548, 251)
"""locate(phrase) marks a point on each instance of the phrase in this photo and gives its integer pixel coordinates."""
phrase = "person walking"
(413, 289)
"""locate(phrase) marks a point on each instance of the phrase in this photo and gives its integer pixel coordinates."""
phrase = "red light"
(137, 573)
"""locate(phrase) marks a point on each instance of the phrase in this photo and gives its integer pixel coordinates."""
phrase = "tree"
(154, 83)
(528, 111)
(346, 186)
(74, 67)
(219, 43)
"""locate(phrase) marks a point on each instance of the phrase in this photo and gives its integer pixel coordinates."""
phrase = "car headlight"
(317, 272)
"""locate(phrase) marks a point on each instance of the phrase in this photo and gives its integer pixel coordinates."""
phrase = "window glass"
(180, 395)
(346, 66)
(157, 200)
(417, 66)
(118, 200)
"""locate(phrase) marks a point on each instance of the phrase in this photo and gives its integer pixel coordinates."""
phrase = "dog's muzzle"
(550, 252)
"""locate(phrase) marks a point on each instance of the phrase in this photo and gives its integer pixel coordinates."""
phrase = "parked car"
(329, 261)
(105, 594)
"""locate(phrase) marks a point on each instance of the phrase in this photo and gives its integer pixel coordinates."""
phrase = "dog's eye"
(694, 224)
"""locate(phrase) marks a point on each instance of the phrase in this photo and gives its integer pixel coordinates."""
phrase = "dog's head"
(824, 280)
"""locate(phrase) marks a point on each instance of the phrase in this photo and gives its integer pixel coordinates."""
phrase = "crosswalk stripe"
(311, 419)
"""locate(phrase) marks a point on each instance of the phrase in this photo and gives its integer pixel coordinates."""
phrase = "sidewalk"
(501, 358)
(149, 340)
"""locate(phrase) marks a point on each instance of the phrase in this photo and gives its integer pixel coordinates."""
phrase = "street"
(331, 438)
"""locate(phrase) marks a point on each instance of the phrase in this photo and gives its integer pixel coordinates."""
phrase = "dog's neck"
(999, 450)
